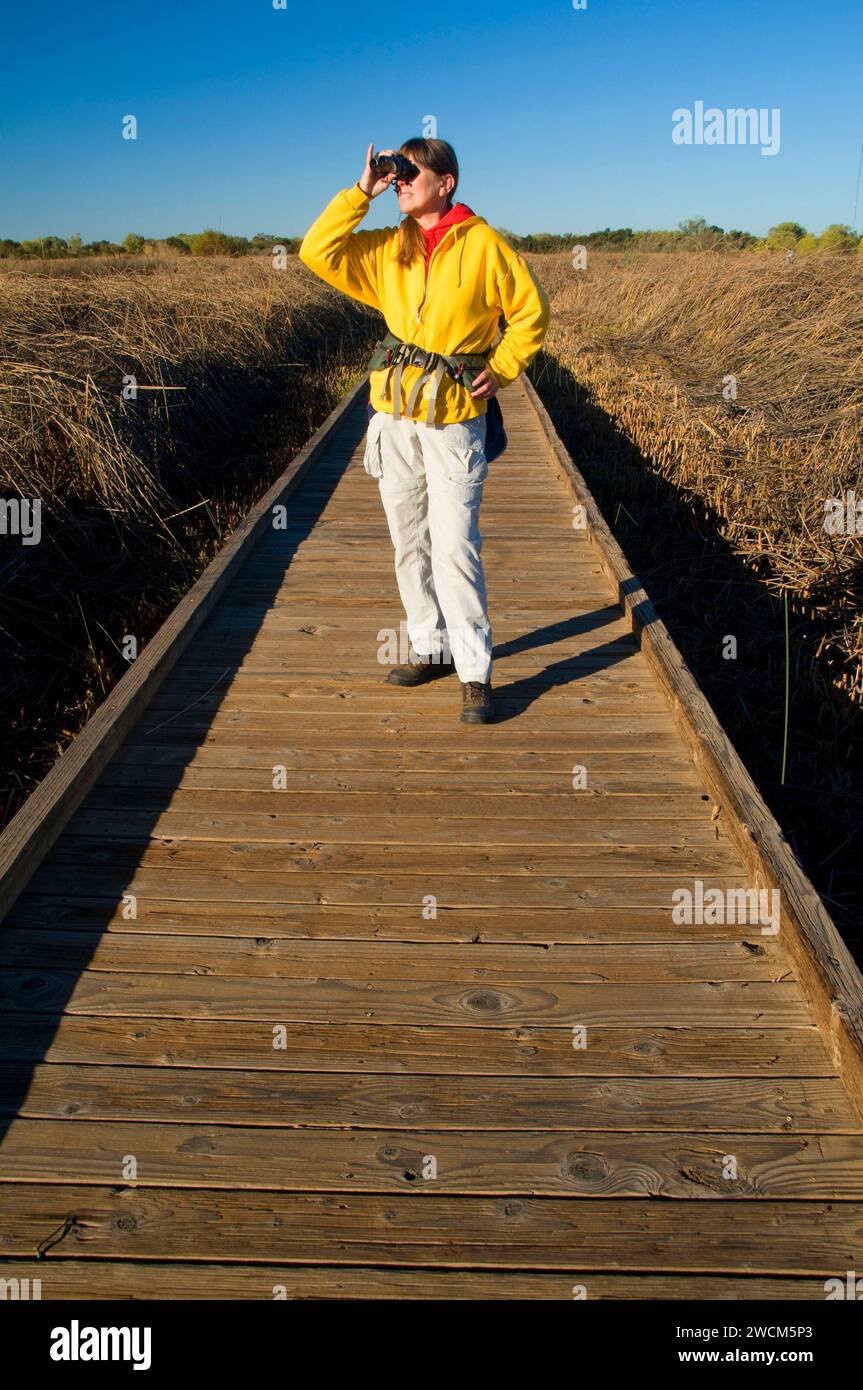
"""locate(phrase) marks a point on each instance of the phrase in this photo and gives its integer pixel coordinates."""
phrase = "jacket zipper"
(429, 266)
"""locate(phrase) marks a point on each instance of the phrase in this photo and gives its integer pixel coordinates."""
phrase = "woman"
(441, 279)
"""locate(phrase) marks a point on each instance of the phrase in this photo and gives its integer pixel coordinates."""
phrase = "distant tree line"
(206, 243)
(695, 234)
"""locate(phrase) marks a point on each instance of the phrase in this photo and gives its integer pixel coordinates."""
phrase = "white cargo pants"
(431, 481)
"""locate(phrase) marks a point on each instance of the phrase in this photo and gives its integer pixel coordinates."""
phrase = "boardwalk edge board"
(826, 970)
(34, 829)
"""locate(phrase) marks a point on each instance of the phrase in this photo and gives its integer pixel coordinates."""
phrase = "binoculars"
(383, 164)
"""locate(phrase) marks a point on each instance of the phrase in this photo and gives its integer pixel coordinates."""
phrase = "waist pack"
(393, 353)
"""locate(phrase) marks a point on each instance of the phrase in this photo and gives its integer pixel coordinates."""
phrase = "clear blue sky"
(251, 118)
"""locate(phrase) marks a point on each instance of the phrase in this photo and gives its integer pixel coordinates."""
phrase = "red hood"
(459, 212)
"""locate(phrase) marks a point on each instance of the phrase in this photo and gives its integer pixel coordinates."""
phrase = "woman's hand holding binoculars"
(367, 181)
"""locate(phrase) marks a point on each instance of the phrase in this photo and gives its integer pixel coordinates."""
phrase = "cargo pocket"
(464, 459)
(372, 458)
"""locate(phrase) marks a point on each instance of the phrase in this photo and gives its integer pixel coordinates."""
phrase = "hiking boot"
(419, 670)
(477, 707)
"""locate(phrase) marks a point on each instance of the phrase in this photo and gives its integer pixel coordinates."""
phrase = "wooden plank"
(355, 522)
(410, 1049)
(832, 981)
(40, 820)
(594, 697)
(607, 767)
(318, 653)
(435, 861)
(293, 631)
(382, 960)
(260, 729)
(419, 815)
(709, 1004)
(581, 585)
(784, 1105)
(528, 674)
(635, 890)
(508, 601)
(641, 776)
(423, 1229)
(352, 826)
(687, 1167)
(570, 925)
(136, 1279)
(283, 616)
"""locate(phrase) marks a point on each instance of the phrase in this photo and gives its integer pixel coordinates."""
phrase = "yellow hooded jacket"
(474, 276)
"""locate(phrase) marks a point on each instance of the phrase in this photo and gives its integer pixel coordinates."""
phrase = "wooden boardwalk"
(415, 1020)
